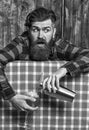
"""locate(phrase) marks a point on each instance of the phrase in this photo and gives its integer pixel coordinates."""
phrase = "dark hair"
(39, 14)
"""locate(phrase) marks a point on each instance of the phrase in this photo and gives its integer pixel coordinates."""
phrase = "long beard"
(40, 51)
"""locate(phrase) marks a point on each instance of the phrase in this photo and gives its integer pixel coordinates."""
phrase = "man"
(38, 43)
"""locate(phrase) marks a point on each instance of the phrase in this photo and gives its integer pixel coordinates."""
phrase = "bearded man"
(38, 43)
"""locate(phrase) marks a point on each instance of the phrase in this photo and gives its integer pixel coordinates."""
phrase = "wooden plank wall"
(77, 22)
(72, 19)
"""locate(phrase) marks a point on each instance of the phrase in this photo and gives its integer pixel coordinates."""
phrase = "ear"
(54, 32)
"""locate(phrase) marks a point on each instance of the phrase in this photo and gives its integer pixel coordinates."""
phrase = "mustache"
(40, 41)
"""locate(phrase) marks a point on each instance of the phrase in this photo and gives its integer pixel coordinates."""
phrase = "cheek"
(49, 37)
(33, 37)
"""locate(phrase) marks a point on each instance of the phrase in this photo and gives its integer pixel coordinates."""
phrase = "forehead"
(41, 24)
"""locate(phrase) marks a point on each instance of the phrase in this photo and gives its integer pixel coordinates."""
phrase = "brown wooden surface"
(72, 19)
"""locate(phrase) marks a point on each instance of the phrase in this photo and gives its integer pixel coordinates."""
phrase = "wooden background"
(72, 19)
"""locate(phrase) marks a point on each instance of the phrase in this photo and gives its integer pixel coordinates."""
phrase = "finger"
(32, 94)
(27, 107)
(57, 83)
(41, 78)
(53, 84)
(45, 83)
(29, 98)
(49, 83)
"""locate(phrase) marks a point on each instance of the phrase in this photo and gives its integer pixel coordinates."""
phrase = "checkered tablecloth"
(53, 114)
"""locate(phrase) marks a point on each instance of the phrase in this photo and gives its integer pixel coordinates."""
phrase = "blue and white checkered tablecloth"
(53, 114)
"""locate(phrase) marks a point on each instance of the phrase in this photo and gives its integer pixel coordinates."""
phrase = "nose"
(40, 35)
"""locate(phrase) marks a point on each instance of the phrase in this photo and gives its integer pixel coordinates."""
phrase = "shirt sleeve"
(10, 53)
(77, 57)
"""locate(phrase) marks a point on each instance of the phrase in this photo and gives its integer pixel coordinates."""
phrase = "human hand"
(20, 101)
(52, 83)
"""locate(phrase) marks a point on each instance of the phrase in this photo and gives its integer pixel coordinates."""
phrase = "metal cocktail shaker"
(63, 93)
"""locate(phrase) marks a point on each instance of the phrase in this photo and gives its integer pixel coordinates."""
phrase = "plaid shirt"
(18, 49)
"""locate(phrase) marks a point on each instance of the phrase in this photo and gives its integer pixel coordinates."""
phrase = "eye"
(34, 29)
(47, 30)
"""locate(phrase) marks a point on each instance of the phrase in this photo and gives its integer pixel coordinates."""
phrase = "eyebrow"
(46, 27)
(34, 27)
(39, 28)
